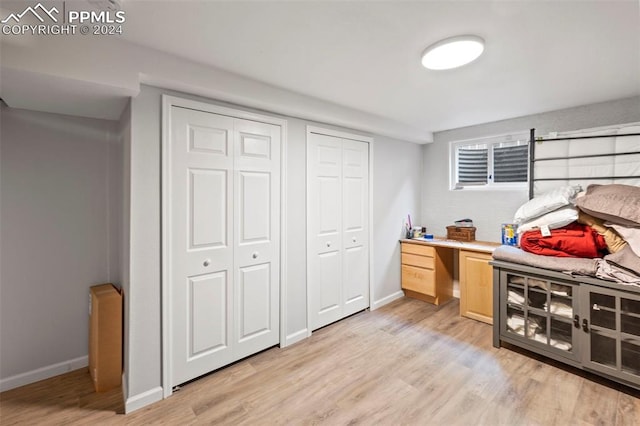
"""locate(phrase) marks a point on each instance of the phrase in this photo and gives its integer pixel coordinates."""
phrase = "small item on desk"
(464, 223)
(461, 233)
(428, 236)
(417, 232)
(509, 234)
(408, 232)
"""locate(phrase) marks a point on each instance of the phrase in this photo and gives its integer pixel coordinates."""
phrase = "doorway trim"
(169, 101)
(355, 137)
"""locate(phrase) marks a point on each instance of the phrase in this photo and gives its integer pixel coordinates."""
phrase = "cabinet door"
(611, 329)
(540, 313)
(476, 286)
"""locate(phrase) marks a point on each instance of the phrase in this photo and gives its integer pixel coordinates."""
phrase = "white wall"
(59, 235)
(396, 192)
(396, 183)
(489, 209)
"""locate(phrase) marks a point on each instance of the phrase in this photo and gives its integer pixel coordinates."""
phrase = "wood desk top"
(479, 246)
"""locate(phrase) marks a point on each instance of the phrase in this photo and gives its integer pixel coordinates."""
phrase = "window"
(491, 163)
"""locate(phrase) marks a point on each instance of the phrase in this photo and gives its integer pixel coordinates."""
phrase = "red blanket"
(574, 240)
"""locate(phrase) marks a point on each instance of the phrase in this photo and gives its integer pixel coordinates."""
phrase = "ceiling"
(539, 56)
(349, 63)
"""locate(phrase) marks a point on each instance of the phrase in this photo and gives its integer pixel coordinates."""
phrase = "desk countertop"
(480, 246)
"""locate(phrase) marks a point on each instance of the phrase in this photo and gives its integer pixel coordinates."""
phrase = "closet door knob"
(328, 243)
(585, 325)
(576, 321)
(354, 239)
(255, 255)
(207, 262)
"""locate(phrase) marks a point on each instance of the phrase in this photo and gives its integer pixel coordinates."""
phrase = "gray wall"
(396, 180)
(489, 209)
(60, 207)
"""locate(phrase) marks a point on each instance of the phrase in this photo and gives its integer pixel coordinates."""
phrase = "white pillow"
(554, 220)
(630, 234)
(547, 202)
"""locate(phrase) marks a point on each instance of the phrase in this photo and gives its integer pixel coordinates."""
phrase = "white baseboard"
(388, 299)
(143, 399)
(125, 391)
(296, 337)
(43, 373)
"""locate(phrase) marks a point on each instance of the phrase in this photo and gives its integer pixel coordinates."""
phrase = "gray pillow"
(616, 203)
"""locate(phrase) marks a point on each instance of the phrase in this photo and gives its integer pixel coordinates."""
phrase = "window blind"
(510, 163)
(473, 165)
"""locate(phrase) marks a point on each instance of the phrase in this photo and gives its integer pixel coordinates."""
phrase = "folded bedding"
(608, 271)
(516, 324)
(574, 240)
(625, 259)
(516, 297)
(571, 265)
(559, 307)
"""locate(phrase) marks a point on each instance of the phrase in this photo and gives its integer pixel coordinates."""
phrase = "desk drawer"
(419, 249)
(419, 280)
(419, 261)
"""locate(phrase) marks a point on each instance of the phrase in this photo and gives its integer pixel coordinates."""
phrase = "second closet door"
(338, 228)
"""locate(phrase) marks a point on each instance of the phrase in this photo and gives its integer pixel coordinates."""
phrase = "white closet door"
(257, 236)
(355, 226)
(224, 240)
(324, 229)
(201, 242)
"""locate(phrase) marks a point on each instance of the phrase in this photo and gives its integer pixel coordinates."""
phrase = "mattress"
(565, 171)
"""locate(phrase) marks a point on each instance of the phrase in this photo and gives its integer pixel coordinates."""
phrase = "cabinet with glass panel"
(612, 328)
(585, 322)
(540, 312)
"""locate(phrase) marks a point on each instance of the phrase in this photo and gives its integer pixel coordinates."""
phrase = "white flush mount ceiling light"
(453, 52)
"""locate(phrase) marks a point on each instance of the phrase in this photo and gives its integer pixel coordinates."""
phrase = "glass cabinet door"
(611, 325)
(540, 312)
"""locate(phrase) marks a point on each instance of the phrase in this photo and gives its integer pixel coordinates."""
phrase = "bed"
(576, 310)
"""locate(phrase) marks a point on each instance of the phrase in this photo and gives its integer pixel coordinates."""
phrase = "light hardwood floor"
(406, 363)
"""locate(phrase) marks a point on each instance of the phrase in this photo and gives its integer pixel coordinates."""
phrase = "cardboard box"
(105, 337)
(461, 233)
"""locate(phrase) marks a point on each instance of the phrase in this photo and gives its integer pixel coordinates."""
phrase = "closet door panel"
(324, 229)
(257, 233)
(254, 288)
(356, 279)
(208, 312)
(355, 231)
(329, 284)
(200, 242)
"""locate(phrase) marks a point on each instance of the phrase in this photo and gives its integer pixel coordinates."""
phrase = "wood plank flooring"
(407, 363)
